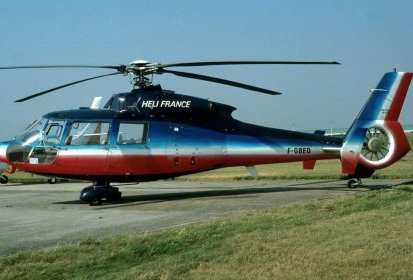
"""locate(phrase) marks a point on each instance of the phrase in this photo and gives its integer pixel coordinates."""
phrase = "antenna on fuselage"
(97, 100)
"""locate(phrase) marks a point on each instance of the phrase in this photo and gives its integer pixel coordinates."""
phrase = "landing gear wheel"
(95, 202)
(4, 179)
(354, 183)
(94, 195)
(52, 180)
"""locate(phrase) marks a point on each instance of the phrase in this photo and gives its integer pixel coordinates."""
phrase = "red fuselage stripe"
(157, 164)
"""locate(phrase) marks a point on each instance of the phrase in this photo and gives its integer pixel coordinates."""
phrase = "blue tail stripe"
(375, 103)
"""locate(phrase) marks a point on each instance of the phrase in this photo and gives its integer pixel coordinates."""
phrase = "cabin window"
(132, 133)
(88, 133)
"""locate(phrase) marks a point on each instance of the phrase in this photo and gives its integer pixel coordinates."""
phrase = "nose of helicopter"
(3, 149)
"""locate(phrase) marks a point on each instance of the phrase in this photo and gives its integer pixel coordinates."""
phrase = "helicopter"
(151, 133)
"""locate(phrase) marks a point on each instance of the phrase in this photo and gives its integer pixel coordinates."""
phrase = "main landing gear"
(99, 191)
(354, 183)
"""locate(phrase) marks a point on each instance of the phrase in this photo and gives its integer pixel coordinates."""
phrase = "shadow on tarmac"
(176, 196)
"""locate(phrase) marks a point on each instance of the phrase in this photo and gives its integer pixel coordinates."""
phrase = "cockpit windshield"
(43, 132)
(32, 134)
(37, 145)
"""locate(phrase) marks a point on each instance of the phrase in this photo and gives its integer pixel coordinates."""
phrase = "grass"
(24, 177)
(327, 169)
(364, 236)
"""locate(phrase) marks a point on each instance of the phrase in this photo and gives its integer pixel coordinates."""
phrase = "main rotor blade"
(220, 81)
(63, 86)
(59, 66)
(243, 62)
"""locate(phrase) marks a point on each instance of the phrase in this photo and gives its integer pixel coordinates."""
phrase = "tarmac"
(45, 216)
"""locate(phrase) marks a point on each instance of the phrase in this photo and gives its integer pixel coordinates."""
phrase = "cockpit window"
(37, 144)
(53, 132)
(88, 133)
(36, 125)
(44, 132)
(33, 133)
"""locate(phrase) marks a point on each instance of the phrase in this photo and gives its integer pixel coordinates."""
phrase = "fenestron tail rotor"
(376, 144)
(140, 69)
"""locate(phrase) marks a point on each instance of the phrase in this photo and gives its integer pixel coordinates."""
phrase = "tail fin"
(376, 138)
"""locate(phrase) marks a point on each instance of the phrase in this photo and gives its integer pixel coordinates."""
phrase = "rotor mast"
(138, 70)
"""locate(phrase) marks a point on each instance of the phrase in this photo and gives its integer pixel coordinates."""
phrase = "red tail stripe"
(400, 95)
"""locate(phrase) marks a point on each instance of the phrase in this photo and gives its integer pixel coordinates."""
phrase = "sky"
(368, 37)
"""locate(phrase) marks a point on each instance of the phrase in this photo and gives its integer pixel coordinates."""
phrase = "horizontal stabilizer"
(332, 150)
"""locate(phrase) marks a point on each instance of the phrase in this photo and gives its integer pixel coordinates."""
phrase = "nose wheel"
(354, 183)
(4, 179)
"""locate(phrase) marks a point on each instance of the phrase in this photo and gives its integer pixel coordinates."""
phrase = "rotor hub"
(139, 63)
(377, 144)
(374, 144)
